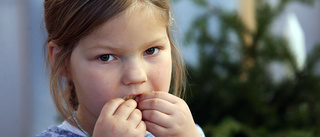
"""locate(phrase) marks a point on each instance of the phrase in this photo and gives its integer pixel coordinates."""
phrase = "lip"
(132, 96)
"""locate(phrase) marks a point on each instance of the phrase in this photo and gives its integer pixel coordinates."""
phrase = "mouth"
(130, 97)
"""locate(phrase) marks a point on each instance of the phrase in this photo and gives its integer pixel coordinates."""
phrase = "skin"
(129, 55)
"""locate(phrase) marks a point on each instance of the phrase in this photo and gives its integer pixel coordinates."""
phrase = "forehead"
(140, 11)
(160, 14)
(136, 23)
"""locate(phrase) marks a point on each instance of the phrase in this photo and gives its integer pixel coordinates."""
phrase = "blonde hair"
(67, 21)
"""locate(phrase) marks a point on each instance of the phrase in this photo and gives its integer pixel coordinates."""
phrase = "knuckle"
(150, 127)
(154, 103)
(137, 113)
(153, 115)
(157, 94)
(141, 130)
(126, 105)
(143, 125)
(130, 103)
(133, 102)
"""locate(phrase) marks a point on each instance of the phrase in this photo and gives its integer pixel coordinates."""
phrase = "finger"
(125, 109)
(156, 104)
(135, 116)
(111, 106)
(157, 117)
(142, 127)
(155, 129)
(159, 94)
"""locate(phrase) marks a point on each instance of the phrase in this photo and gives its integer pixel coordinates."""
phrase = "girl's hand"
(167, 115)
(119, 118)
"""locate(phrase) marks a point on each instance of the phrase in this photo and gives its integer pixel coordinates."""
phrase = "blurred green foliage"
(230, 97)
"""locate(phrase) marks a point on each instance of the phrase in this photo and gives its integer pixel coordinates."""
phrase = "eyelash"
(109, 57)
(155, 49)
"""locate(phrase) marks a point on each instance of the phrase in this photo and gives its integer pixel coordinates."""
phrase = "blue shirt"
(61, 131)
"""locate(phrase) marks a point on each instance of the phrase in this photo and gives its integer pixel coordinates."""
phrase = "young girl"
(103, 52)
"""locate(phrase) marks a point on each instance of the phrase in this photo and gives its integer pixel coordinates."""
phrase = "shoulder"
(148, 134)
(55, 131)
(200, 130)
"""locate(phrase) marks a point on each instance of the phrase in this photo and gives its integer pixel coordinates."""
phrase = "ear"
(53, 52)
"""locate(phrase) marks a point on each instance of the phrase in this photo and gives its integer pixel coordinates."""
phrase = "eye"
(151, 51)
(106, 57)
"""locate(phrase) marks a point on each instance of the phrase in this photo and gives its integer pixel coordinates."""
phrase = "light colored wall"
(309, 19)
(25, 105)
(186, 11)
(15, 95)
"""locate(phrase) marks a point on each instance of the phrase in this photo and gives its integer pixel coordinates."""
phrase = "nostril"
(134, 72)
(134, 78)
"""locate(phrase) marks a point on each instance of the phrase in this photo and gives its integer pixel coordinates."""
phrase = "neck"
(85, 120)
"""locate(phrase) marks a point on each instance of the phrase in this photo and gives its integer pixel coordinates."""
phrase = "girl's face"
(128, 55)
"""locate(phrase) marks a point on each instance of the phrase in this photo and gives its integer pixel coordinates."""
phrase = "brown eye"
(151, 51)
(106, 57)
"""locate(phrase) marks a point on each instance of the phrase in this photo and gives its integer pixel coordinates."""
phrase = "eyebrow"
(117, 48)
(162, 39)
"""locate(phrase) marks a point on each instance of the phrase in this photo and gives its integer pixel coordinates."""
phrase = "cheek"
(95, 83)
(94, 87)
(161, 76)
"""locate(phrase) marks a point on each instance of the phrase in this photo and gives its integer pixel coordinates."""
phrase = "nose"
(134, 73)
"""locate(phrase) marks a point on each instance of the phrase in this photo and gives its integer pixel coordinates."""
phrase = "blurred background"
(253, 67)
